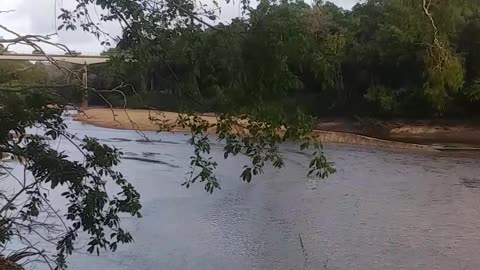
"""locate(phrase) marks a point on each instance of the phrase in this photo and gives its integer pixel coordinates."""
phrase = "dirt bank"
(142, 120)
(432, 131)
(354, 139)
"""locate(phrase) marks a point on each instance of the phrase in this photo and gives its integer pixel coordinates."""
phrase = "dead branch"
(32, 40)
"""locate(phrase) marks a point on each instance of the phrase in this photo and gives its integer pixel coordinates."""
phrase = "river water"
(381, 210)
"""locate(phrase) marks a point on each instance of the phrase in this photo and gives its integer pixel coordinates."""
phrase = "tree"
(90, 208)
(25, 207)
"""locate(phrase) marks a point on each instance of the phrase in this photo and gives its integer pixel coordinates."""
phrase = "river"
(381, 210)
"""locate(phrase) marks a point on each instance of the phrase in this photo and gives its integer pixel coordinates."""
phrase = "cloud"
(39, 17)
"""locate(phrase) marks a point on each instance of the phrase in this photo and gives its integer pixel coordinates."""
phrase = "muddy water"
(382, 210)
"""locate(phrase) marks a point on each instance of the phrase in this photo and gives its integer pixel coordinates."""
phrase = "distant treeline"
(384, 58)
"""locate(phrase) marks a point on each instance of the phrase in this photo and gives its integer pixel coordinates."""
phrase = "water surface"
(381, 210)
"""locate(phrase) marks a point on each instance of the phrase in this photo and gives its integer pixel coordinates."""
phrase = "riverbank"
(463, 134)
(145, 120)
(131, 119)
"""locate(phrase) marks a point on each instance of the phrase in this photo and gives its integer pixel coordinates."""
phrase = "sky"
(39, 17)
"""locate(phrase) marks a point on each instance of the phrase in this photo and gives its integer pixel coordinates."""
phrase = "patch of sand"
(142, 120)
(131, 119)
(420, 130)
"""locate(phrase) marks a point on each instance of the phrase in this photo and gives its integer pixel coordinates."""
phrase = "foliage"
(383, 98)
(318, 57)
(19, 71)
(90, 209)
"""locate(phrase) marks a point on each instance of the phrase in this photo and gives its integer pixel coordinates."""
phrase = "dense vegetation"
(382, 58)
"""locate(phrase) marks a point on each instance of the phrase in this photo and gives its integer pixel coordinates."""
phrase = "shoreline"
(132, 119)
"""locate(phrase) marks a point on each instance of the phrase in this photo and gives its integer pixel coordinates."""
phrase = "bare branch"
(426, 9)
(117, 90)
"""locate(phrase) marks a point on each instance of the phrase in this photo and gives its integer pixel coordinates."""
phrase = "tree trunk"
(143, 83)
(152, 82)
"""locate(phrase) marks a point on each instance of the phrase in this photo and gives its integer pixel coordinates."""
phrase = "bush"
(383, 99)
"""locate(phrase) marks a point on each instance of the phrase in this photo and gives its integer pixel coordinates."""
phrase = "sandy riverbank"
(142, 120)
(130, 119)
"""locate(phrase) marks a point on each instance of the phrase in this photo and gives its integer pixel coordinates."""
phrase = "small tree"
(83, 183)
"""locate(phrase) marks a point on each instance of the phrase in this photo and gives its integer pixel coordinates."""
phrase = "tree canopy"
(382, 58)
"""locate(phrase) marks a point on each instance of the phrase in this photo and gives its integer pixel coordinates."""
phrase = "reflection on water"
(152, 141)
(147, 160)
(115, 140)
(382, 210)
(471, 182)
